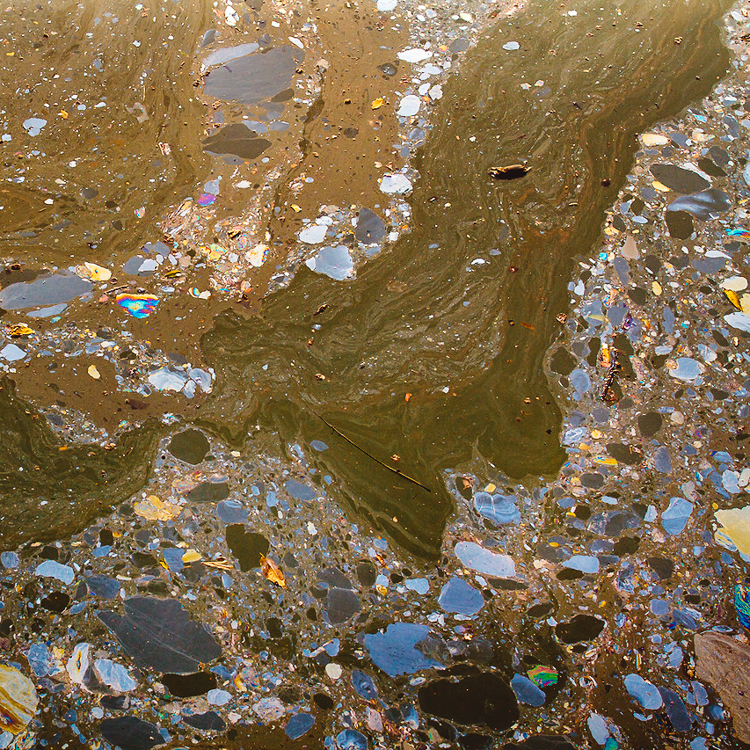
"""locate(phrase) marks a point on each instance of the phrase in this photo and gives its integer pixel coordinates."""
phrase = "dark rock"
(649, 423)
(625, 454)
(209, 492)
(676, 711)
(474, 699)
(189, 685)
(580, 628)
(680, 225)
(158, 633)
(678, 179)
(367, 573)
(246, 546)
(189, 446)
(236, 140)
(370, 227)
(131, 733)
(661, 566)
(57, 601)
(341, 604)
(207, 722)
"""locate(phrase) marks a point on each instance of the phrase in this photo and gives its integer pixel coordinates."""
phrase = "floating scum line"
(369, 455)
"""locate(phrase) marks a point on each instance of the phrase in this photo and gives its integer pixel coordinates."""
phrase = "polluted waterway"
(375, 375)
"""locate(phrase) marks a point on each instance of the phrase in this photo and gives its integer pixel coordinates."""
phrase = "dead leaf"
(18, 330)
(509, 172)
(733, 297)
(272, 572)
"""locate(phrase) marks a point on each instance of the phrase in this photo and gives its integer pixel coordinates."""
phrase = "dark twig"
(369, 455)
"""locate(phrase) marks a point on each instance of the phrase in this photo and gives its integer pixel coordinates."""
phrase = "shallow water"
(433, 354)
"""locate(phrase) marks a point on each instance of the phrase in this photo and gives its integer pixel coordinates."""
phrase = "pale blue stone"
(676, 516)
(114, 675)
(584, 563)
(460, 597)
(52, 569)
(298, 725)
(9, 560)
(420, 585)
(218, 697)
(481, 560)
(644, 692)
(39, 659)
(497, 508)
(526, 691)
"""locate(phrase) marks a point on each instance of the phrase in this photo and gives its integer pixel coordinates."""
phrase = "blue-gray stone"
(644, 692)
(460, 597)
(526, 691)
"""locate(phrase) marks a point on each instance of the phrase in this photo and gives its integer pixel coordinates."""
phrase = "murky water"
(285, 455)
(432, 358)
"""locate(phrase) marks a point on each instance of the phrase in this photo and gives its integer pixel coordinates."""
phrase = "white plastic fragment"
(397, 184)
(414, 55)
(409, 106)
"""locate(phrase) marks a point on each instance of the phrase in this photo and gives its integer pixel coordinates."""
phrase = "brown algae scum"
(374, 375)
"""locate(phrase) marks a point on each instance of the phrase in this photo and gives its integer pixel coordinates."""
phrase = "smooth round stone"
(190, 446)
(644, 692)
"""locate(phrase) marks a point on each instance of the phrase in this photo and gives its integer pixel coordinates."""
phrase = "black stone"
(207, 722)
(275, 629)
(710, 168)
(481, 698)
(209, 492)
(580, 628)
(131, 733)
(323, 701)
(341, 604)
(626, 545)
(115, 702)
(540, 610)
(678, 179)
(246, 546)
(638, 295)
(624, 454)
(592, 480)
(676, 710)
(190, 446)
(649, 423)
(662, 567)
(680, 225)
(158, 633)
(367, 573)
(563, 362)
(57, 601)
(719, 156)
(189, 685)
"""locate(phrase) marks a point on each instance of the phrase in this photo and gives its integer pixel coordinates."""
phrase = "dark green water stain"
(402, 326)
(76, 483)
